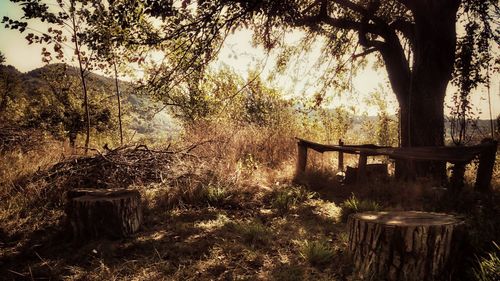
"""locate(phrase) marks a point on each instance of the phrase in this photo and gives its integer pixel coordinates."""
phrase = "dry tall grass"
(223, 207)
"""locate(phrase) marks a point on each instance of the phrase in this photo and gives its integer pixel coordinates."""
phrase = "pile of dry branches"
(116, 168)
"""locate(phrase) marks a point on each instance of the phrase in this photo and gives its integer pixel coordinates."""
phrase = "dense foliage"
(50, 99)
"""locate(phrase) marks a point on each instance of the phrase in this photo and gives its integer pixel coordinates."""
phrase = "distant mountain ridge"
(160, 124)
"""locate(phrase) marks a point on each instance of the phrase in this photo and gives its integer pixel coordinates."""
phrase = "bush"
(354, 205)
(317, 253)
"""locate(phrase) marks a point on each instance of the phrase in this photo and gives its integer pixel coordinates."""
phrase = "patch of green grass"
(288, 273)
(283, 202)
(317, 253)
(216, 195)
(285, 199)
(488, 268)
(254, 233)
(354, 205)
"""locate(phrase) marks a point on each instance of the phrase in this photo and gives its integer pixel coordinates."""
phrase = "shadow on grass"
(187, 243)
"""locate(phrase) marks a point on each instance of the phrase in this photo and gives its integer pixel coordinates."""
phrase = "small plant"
(317, 253)
(302, 194)
(354, 205)
(342, 241)
(216, 195)
(489, 266)
(254, 233)
(284, 200)
(288, 273)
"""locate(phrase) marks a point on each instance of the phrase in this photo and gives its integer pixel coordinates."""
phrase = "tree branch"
(365, 52)
(350, 5)
(405, 27)
(407, 3)
(323, 10)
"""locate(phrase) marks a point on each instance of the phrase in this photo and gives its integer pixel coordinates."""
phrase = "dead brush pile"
(118, 168)
(26, 204)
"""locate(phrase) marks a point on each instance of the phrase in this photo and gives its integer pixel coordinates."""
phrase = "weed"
(488, 268)
(288, 273)
(220, 221)
(317, 253)
(216, 195)
(254, 233)
(354, 205)
(343, 240)
(285, 199)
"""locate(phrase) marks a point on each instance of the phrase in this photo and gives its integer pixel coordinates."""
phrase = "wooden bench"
(459, 156)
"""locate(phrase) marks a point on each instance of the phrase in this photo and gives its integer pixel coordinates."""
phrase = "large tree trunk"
(434, 56)
(421, 97)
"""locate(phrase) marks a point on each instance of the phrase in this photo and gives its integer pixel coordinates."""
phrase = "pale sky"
(241, 56)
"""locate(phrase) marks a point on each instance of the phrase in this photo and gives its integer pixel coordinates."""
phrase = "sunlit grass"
(216, 219)
(488, 268)
(317, 253)
(355, 205)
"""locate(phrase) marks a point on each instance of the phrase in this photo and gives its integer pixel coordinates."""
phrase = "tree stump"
(110, 213)
(400, 246)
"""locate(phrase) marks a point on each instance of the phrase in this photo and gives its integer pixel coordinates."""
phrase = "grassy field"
(213, 211)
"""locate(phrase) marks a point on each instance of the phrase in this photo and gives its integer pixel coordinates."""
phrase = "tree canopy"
(416, 40)
(423, 44)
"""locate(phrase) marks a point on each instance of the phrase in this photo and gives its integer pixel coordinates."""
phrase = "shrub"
(316, 253)
(354, 205)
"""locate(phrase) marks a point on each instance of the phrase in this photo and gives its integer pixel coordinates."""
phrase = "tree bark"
(399, 246)
(421, 97)
(119, 103)
(82, 78)
(434, 56)
(110, 213)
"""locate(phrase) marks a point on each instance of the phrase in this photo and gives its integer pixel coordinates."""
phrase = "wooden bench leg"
(457, 176)
(361, 168)
(301, 159)
(485, 169)
(341, 157)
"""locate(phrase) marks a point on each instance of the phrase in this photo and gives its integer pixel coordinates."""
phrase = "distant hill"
(158, 125)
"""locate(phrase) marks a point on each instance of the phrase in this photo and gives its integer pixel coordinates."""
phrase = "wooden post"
(457, 176)
(302, 158)
(405, 246)
(341, 157)
(361, 167)
(486, 164)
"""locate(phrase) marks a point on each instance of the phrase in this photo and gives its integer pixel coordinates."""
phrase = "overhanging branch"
(365, 52)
